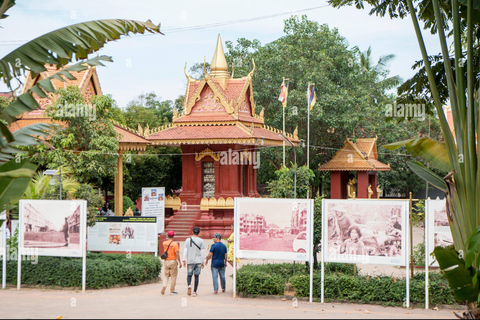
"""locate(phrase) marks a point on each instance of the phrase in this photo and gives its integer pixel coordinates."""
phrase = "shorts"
(194, 269)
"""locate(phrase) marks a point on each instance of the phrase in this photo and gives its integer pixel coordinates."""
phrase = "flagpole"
(284, 106)
(308, 134)
(309, 94)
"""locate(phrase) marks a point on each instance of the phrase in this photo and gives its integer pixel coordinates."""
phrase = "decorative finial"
(219, 66)
(186, 75)
(251, 72)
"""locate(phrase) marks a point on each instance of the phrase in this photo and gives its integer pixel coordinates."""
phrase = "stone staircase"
(182, 222)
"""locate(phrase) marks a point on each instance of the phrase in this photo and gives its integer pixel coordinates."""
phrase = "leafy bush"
(94, 201)
(418, 217)
(341, 284)
(127, 203)
(365, 289)
(419, 254)
(259, 283)
(103, 270)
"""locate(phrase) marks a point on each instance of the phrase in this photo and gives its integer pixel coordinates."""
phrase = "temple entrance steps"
(183, 221)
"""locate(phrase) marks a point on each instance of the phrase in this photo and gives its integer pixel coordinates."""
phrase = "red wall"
(228, 176)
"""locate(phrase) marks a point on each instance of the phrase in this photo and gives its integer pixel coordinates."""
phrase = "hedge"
(342, 285)
(103, 270)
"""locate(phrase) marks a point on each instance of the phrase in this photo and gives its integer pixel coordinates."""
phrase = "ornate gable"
(86, 80)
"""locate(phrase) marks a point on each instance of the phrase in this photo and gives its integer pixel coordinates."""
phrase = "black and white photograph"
(273, 227)
(365, 231)
(128, 232)
(53, 227)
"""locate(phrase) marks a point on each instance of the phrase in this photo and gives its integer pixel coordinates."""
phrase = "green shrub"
(103, 270)
(419, 254)
(341, 284)
(127, 203)
(365, 289)
(259, 283)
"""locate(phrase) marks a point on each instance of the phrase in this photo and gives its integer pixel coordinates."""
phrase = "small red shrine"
(219, 133)
(360, 156)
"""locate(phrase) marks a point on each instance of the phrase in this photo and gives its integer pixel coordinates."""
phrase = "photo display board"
(365, 231)
(134, 234)
(273, 228)
(52, 227)
(153, 205)
(438, 228)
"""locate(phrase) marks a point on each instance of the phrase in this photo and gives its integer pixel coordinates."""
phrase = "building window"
(208, 180)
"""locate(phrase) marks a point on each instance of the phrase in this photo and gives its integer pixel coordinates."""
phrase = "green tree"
(284, 184)
(351, 98)
(87, 144)
(157, 167)
(147, 110)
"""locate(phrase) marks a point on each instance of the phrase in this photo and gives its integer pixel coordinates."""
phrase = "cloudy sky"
(155, 63)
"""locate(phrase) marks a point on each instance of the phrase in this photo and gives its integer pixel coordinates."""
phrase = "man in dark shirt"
(65, 232)
(218, 254)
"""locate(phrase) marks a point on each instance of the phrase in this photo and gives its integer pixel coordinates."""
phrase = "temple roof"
(356, 156)
(218, 109)
(86, 80)
(129, 139)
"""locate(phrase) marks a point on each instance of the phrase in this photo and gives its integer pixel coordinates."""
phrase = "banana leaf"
(460, 278)
(427, 175)
(432, 151)
(12, 189)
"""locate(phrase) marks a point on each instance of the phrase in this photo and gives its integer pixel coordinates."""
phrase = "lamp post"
(59, 165)
(295, 159)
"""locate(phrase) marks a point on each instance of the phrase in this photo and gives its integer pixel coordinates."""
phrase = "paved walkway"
(146, 302)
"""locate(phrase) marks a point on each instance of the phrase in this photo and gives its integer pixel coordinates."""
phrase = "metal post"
(60, 170)
(411, 235)
(295, 159)
(283, 132)
(427, 245)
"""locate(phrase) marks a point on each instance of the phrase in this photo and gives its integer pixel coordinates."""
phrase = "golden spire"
(219, 66)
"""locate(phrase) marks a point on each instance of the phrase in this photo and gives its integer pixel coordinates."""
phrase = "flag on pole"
(311, 96)
(283, 93)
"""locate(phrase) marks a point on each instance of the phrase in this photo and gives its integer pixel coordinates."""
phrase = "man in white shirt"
(193, 257)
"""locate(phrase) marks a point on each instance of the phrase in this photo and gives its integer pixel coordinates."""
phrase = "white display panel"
(52, 227)
(153, 205)
(134, 234)
(438, 228)
(273, 228)
(365, 231)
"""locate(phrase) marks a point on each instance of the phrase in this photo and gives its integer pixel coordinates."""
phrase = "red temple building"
(360, 156)
(219, 133)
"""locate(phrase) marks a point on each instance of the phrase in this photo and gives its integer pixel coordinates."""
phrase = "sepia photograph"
(365, 231)
(279, 227)
(438, 227)
(52, 226)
